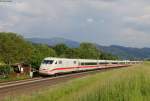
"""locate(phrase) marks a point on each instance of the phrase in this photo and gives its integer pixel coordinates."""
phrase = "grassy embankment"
(16, 78)
(126, 84)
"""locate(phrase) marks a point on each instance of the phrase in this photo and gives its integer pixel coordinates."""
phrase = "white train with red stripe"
(51, 65)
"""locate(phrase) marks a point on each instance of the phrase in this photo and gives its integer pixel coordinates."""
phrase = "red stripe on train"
(73, 67)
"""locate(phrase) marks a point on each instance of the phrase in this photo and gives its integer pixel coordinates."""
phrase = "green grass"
(16, 78)
(126, 84)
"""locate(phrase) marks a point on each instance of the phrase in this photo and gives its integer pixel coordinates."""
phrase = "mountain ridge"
(126, 52)
(54, 41)
(122, 51)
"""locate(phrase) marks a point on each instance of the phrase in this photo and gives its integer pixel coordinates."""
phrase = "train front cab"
(46, 66)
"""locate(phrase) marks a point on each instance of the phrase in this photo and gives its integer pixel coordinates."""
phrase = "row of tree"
(15, 49)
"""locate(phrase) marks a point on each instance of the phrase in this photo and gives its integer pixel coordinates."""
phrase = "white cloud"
(134, 38)
(90, 20)
(22, 7)
(100, 21)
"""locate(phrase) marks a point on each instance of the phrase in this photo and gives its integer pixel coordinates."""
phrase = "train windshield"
(47, 61)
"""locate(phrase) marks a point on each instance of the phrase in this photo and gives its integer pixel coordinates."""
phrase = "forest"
(15, 49)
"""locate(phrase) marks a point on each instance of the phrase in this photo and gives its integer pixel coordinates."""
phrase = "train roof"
(56, 58)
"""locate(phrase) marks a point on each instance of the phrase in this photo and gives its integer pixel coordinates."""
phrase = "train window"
(74, 62)
(114, 63)
(89, 63)
(60, 62)
(48, 61)
(103, 63)
(82, 63)
(92, 63)
(56, 62)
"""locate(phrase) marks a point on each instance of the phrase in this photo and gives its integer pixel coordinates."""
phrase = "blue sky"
(106, 22)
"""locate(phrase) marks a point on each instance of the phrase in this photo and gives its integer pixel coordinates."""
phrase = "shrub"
(5, 69)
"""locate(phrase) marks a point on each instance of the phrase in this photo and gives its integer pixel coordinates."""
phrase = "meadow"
(125, 84)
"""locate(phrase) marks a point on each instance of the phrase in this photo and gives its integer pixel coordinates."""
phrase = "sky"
(105, 22)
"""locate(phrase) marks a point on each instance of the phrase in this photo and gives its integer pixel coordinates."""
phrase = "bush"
(5, 69)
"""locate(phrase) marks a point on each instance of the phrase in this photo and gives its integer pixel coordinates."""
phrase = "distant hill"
(121, 51)
(54, 41)
(126, 52)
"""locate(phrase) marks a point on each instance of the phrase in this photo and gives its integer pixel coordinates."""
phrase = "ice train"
(52, 65)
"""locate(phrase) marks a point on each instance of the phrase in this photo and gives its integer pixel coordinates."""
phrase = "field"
(126, 84)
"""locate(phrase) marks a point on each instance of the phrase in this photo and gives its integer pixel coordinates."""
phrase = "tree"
(108, 56)
(1, 59)
(88, 51)
(13, 48)
(60, 49)
(39, 53)
(71, 53)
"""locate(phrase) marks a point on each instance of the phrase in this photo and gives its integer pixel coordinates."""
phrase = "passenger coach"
(51, 65)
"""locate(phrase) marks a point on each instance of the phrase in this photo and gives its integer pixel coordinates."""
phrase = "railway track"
(18, 81)
(28, 86)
